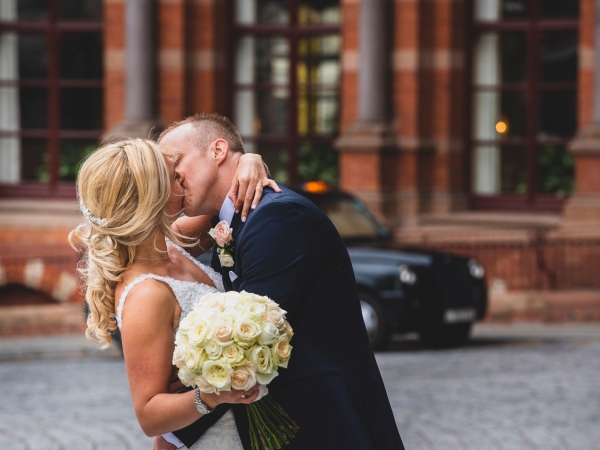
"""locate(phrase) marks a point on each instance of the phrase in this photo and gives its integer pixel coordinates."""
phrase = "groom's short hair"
(210, 127)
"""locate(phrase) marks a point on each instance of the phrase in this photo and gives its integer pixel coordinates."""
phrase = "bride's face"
(174, 205)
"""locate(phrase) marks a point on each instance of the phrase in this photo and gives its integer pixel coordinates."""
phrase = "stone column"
(140, 67)
(368, 143)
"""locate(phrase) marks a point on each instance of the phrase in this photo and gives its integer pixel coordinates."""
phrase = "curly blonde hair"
(128, 184)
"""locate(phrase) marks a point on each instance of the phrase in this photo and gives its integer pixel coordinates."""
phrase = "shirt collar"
(227, 211)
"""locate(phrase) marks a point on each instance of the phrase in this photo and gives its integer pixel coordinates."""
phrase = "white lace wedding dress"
(222, 435)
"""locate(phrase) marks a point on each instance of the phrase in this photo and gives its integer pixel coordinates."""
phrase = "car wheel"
(446, 336)
(374, 321)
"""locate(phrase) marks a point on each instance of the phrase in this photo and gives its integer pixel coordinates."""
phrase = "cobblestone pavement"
(511, 388)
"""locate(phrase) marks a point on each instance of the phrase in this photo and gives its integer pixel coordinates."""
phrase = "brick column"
(584, 204)
(140, 85)
(366, 147)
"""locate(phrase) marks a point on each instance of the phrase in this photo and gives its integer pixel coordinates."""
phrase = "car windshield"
(352, 219)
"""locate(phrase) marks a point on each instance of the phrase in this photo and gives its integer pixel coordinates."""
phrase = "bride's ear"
(221, 149)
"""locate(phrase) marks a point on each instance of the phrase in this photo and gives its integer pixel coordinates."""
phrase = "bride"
(139, 278)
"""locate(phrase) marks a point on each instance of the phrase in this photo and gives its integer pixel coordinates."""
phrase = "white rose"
(246, 332)
(269, 334)
(260, 356)
(226, 260)
(230, 316)
(230, 299)
(179, 356)
(223, 333)
(200, 332)
(233, 354)
(203, 385)
(243, 378)
(186, 377)
(245, 297)
(194, 358)
(275, 316)
(281, 352)
(181, 338)
(212, 300)
(218, 374)
(255, 310)
(188, 322)
(266, 378)
(213, 349)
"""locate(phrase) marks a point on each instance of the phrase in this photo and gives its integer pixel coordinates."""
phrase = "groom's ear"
(221, 150)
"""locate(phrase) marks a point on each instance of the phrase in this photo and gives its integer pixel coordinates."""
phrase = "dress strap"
(216, 277)
(133, 284)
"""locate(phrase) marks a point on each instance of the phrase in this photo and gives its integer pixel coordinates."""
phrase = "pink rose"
(221, 233)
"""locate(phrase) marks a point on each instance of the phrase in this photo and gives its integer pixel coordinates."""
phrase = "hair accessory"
(89, 216)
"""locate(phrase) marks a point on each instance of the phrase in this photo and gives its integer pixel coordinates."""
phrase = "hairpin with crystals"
(89, 216)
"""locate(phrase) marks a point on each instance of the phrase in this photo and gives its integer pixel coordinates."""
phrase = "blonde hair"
(128, 184)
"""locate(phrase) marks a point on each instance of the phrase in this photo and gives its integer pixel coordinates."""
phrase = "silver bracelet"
(202, 407)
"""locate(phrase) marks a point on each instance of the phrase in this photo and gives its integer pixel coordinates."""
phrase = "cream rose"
(186, 377)
(281, 352)
(213, 349)
(226, 260)
(194, 358)
(269, 334)
(255, 310)
(273, 315)
(218, 374)
(260, 356)
(179, 356)
(200, 332)
(203, 385)
(223, 333)
(188, 322)
(212, 300)
(243, 378)
(246, 332)
(221, 233)
(233, 354)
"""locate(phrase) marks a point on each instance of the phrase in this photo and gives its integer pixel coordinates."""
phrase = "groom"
(289, 250)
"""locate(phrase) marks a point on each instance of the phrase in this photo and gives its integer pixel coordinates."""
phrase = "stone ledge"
(41, 319)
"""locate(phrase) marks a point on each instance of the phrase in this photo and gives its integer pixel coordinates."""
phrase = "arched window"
(286, 84)
(51, 95)
(524, 102)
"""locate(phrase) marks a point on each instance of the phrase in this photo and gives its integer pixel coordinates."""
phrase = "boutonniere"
(222, 237)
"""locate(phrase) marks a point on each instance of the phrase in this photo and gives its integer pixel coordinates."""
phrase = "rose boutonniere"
(222, 236)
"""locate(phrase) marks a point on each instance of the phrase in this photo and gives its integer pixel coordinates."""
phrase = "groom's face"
(196, 171)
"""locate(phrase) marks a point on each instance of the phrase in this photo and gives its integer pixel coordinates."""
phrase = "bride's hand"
(248, 182)
(234, 396)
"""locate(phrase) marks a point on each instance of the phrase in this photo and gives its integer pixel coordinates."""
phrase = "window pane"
(499, 115)
(34, 160)
(34, 107)
(262, 112)
(319, 11)
(32, 9)
(317, 111)
(262, 11)
(500, 58)
(499, 170)
(81, 109)
(560, 8)
(555, 170)
(559, 56)
(318, 162)
(81, 55)
(72, 153)
(492, 10)
(272, 62)
(81, 9)
(276, 157)
(558, 113)
(319, 60)
(33, 56)
(10, 159)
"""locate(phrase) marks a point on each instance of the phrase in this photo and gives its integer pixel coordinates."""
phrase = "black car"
(436, 294)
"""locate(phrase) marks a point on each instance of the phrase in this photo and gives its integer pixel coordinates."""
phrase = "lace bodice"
(186, 292)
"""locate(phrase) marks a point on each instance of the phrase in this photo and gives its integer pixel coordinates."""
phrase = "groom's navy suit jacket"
(290, 251)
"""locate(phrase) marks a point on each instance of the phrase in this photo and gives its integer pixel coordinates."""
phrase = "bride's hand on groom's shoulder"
(248, 182)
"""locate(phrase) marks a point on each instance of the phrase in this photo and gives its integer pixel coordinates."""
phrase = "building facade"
(464, 124)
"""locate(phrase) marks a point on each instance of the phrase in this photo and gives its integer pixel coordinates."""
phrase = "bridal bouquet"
(234, 340)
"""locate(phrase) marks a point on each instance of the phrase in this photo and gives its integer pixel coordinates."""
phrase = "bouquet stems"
(270, 426)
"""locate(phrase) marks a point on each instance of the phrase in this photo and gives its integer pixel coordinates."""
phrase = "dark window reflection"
(34, 107)
(81, 55)
(513, 173)
(558, 113)
(34, 160)
(33, 56)
(560, 8)
(513, 113)
(559, 56)
(32, 9)
(275, 155)
(271, 11)
(319, 11)
(72, 154)
(514, 9)
(555, 170)
(272, 111)
(81, 109)
(81, 9)
(272, 62)
(513, 53)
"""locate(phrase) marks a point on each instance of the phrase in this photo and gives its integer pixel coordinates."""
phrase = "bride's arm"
(246, 191)
(147, 334)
